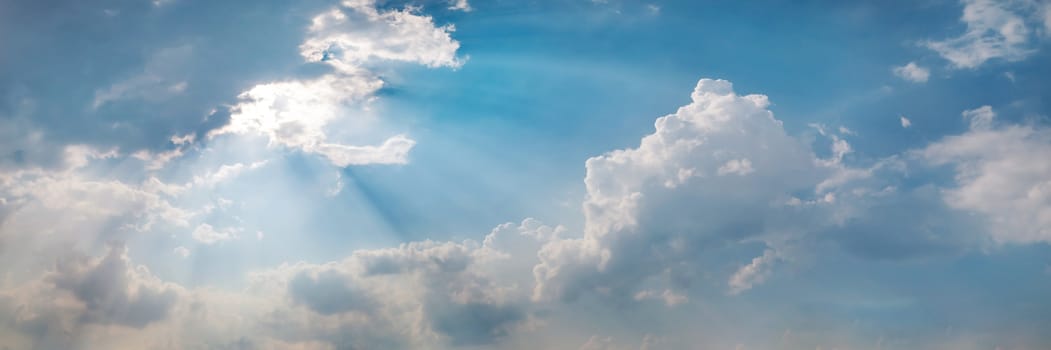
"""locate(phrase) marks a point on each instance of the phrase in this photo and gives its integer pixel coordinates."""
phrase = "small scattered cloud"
(1002, 172)
(207, 234)
(905, 122)
(996, 29)
(912, 72)
(460, 5)
(752, 274)
(182, 252)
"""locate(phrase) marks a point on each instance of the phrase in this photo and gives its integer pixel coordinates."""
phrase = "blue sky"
(467, 174)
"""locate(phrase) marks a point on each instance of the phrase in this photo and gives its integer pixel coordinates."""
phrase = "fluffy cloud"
(359, 33)
(996, 29)
(717, 201)
(420, 294)
(912, 72)
(654, 211)
(113, 291)
(81, 296)
(721, 178)
(423, 293)
(84, 202)
(1002, 172)
(349, 39)
(719, 197)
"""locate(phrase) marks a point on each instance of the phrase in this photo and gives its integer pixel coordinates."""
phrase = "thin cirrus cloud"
(995, 29)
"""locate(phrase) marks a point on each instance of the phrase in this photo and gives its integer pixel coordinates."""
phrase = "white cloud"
(740, 167)
(639, 230)
(1001, 172)
(461, 5)
(207, 234)
(422, 294)
(980, 118)
(661, 226)
(349, 37)
(71, 191)
(225, 173)
(84, 295)
(182, 252)
(996, 29)
(294, 114)
(754, 273)
(912, 72)
(905, 122)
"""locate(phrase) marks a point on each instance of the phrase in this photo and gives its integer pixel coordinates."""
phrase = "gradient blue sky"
(467, 174)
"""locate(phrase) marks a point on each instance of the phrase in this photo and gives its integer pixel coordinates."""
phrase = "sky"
(571, 174)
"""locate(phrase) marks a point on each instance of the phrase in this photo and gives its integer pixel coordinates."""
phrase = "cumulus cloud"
(996, 29)
(645, 221)
(912, 72)
(358, 33)
(905, 122)
(113, 291)
(294, 114)
(656, 214)
(718, 197)
(1002, 172)
(83, 200)
(82, 295)
(421, 293)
